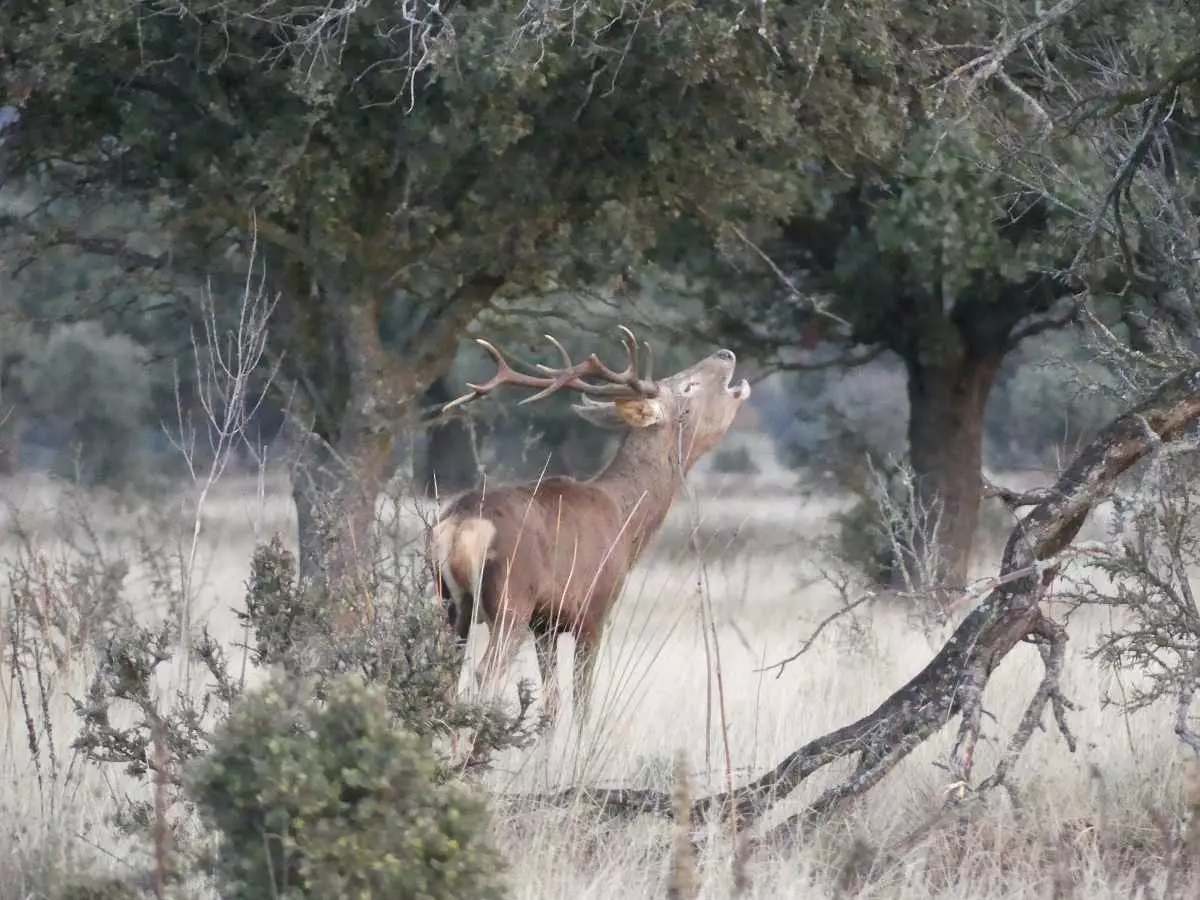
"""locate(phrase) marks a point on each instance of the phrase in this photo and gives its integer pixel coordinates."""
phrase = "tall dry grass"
(735, 573)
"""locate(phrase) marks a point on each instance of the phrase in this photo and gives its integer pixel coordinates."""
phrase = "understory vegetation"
(266, 753)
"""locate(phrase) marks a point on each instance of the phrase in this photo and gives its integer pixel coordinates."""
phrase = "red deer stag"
(552, 556)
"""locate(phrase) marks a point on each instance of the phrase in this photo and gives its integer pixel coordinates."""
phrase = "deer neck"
(644, 478)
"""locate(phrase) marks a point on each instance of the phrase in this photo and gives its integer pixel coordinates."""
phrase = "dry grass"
(1084, 824)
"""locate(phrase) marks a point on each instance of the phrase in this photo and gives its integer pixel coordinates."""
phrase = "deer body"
(552, 556)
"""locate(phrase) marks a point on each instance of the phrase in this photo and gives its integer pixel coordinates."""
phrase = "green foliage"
(91, 392)
(409, 152)
(403, 647)
(329, 799)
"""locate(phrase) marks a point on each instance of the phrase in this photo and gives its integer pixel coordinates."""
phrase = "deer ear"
(641, 413)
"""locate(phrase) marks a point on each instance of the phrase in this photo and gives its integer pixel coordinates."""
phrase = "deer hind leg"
(506, 633)
(546, 644)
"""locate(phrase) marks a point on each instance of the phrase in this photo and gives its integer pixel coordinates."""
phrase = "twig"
(816, 633)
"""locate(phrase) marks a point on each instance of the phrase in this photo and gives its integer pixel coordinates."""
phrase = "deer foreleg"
(587, 649)
(546, 644)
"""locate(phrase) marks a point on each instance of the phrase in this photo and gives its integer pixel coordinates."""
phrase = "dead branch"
(811, 640)
(952, 683)
(1015, 500)
(1036, 325)
(981, 68)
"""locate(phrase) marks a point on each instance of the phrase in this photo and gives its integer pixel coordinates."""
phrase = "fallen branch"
(954, 681)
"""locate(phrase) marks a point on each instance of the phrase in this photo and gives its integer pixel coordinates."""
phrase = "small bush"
(402, 650)
(734, 460)
(331, 800)
(90, 393)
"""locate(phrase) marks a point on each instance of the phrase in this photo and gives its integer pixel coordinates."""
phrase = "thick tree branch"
(1036, 325)
(1016, 499)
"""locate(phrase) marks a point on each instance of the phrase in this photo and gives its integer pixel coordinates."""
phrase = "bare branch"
(834, 616)
(981, 68)
(787, 283)
(1049, 322)
(1015, 499)
(845, 360)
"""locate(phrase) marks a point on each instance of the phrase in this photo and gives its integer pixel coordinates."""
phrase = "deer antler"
(617, 385)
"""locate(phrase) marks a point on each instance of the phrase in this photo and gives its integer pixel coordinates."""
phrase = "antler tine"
(505, 374)
(567, 364)
(625, 384)
(621, 384)
(631, 347)
(567, 376)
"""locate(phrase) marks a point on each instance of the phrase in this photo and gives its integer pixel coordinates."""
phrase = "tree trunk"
(945, 433)
(449, 465)
(335, 491)
(368, 395)
(12, 422)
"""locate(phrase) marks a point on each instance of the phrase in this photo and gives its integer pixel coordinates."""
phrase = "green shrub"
(90, 393)
(331, 800)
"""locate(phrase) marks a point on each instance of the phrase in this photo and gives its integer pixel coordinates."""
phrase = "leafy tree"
(947, 251)
(935, 266)
(398, 166)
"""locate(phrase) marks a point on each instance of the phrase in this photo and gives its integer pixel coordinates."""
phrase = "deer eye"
(688, 388)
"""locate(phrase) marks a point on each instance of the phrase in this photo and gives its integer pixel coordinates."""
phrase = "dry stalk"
(1191, 815)
(682, 883)
(227, 360)
(742, 850)
(161, 828)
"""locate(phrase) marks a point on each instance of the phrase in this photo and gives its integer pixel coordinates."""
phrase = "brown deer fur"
(552, 556)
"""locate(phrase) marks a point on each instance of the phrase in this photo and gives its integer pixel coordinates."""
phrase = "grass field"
(746, 550)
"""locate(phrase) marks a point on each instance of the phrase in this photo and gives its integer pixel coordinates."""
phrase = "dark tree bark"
(953, 682)
(952, 353)
(947, 403)
(348, 435)
(449, 464)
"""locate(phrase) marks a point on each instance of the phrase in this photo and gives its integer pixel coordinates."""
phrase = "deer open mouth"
(739, 391)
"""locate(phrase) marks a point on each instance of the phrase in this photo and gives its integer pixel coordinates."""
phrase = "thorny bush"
(1154, 630)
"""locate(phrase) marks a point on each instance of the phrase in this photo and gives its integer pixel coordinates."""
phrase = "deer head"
(688, 412)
